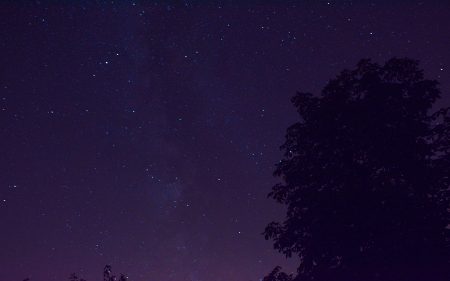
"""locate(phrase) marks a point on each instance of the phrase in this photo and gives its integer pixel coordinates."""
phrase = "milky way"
(144, 135)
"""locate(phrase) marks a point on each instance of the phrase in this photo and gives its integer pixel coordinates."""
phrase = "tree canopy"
(365, 178)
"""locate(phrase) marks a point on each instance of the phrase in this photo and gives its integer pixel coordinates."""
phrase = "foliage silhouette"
(365, 178)
(107, 276)
(278, 275)
(74, 277)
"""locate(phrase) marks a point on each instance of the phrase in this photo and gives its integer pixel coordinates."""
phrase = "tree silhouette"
(74, 277)
(107, 274)
(365, 178)
(278, 275)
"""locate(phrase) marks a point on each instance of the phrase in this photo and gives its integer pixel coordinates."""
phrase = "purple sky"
(144, 135)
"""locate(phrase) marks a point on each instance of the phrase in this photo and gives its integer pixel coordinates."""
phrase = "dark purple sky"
(143, 135)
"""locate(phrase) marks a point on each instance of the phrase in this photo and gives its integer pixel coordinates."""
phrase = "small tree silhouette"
(107, 274)
(365, 178)
(73, 277)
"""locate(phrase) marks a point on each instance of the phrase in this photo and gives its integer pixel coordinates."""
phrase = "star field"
(144, 134)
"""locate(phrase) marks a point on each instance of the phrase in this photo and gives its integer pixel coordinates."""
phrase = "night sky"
(144, 135)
